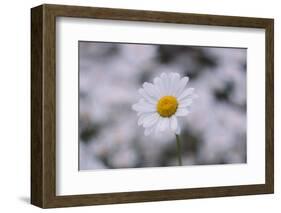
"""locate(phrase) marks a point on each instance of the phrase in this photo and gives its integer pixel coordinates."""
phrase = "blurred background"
(110, 75)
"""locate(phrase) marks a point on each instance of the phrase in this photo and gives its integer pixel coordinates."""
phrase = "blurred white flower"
(163, 102)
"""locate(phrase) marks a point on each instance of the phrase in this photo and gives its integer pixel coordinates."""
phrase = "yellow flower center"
(167, 106)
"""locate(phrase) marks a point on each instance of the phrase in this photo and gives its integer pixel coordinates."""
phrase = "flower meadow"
(208, 114)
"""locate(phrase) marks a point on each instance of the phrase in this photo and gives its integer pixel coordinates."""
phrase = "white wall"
(15, 98)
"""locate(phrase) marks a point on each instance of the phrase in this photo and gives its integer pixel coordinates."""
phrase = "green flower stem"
(179, 149)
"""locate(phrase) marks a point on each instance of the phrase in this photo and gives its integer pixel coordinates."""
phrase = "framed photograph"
(135, 106)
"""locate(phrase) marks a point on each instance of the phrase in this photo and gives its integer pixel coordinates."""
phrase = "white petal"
(185, 103)
(192, 96)
(182, 112)
(175, 79)
(169, 83)
(159, 85)
(187, 92)
(159, 123)
(166, 83)
(143, 116)
(144, 107)
(140, 120)
(164, 124)
(151, 120)
(173, 123)
(174, 75)
(147, 97)
(141, 113)
(181, 85)
(151, 90)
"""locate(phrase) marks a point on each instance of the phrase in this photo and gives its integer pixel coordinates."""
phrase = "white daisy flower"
(163, 102)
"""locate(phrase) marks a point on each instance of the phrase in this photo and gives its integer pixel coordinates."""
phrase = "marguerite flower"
(163, 102)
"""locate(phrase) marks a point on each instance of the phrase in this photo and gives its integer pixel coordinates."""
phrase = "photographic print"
(111, 100)
(150, 105)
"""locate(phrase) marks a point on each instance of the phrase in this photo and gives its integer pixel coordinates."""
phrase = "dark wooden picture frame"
(43, 105)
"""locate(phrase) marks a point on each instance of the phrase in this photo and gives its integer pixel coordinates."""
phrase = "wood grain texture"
(36, 106)
(43, 105)
(269, 106)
